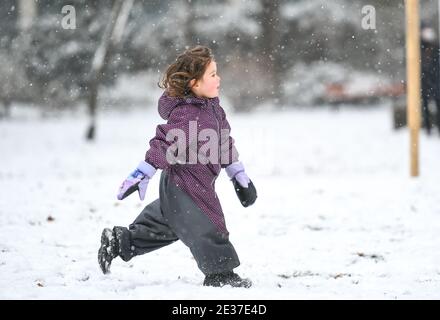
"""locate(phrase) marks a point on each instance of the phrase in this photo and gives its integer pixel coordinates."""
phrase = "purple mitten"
(137, 180)
(236, 170)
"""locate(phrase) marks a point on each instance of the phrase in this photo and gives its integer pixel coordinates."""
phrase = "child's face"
(209, 85)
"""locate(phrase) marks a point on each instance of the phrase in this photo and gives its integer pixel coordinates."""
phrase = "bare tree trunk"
(271, 48)
(6, 109)
(190, 34)
(111, 37)
(27, 11)
(7, 104)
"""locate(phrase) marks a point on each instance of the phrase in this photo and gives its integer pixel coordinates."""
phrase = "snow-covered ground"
(337, 217)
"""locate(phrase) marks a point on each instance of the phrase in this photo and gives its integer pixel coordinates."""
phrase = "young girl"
(188, 208)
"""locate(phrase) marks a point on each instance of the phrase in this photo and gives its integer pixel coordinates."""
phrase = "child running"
(190, 149)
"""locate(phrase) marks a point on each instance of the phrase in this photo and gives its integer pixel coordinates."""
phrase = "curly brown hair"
(189, 65)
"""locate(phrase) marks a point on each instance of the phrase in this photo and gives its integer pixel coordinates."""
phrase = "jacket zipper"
(218, 132)
(216, 119)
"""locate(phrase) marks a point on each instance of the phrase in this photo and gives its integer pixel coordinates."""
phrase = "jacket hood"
(167, 103)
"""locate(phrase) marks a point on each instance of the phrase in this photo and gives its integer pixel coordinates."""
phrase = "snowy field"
(337, 217)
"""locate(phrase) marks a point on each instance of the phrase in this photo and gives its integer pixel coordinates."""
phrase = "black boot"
(108, 250)
(226, 278)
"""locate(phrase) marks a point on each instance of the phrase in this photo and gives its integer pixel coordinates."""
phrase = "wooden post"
(413, 80)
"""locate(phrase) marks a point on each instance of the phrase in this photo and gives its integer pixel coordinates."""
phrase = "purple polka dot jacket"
(195, 175)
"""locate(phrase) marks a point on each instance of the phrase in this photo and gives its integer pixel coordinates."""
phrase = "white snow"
(337, 217)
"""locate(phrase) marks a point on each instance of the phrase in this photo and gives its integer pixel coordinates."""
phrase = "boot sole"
(103, 250)
(245, 283)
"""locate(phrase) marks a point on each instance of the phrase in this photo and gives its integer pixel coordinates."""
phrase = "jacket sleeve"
(229, 153)
(160, 145)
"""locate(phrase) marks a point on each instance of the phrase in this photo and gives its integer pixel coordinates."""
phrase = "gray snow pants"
(172, 217)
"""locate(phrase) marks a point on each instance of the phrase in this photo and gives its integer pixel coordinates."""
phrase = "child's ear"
(193, 83)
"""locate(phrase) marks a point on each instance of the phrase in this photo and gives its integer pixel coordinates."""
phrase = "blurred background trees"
(274, 52)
